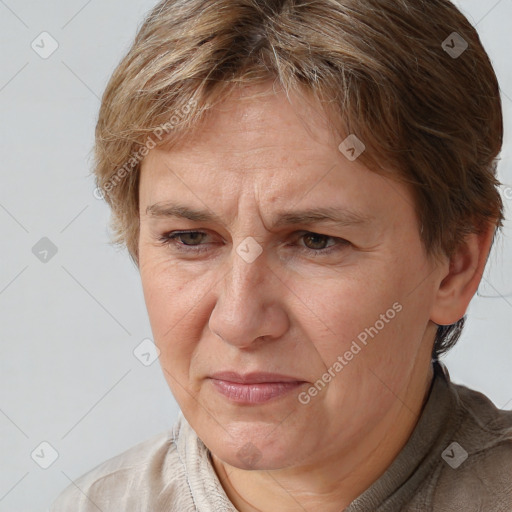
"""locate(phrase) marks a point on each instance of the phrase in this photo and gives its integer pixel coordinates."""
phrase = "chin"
(252, 452)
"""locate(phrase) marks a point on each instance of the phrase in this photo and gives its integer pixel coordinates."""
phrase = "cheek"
(173, 302)
(348, 305)
(370, 320)
(168, 289)
(172, 313)
(380, 340)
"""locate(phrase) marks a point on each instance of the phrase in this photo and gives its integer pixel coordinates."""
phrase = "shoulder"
(129, 479)
(476, 473)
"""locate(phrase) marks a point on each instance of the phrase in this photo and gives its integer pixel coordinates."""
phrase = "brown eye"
(190, 238)
(315, 241)
(317, 245)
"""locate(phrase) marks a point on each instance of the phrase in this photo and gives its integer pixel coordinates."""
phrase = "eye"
(315, 243)
(184, 240)
(316, 240)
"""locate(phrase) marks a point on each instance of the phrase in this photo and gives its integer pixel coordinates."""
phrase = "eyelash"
(170, 239)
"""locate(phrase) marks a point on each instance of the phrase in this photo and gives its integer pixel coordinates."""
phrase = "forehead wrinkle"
(335, 216)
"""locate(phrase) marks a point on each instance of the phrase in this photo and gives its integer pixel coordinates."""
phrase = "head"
(233, 119)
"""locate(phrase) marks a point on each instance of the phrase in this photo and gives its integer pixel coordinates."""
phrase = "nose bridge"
(248, 258)
(244, 283)
(241, 312)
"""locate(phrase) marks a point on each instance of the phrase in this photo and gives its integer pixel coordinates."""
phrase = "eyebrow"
(337, 216)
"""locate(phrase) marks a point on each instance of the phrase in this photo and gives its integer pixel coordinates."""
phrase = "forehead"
(256, 117)
(260, 146)
(252, 131)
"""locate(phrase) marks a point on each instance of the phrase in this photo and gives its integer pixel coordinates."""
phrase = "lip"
(254, 388)
(253, 377)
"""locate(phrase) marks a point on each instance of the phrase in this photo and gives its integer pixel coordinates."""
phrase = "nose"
(250, 301)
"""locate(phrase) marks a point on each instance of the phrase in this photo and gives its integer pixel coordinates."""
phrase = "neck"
(336, 479)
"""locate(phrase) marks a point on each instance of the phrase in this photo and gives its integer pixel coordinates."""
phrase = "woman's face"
(338, 310)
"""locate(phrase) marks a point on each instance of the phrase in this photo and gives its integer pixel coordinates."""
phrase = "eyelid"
(170, 239)
(338, 245)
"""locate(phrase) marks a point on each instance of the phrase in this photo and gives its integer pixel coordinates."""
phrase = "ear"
(461, 281)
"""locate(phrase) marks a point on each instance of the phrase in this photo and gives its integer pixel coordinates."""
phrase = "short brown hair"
(381, 68)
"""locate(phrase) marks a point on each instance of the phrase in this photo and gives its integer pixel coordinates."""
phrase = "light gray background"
(69, 326)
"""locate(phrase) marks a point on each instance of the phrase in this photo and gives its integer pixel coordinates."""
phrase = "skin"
(290, 311)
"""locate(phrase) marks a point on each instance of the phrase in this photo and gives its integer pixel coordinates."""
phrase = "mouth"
(254, 388)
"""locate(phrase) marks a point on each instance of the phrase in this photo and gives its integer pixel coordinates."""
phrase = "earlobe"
(460, 283)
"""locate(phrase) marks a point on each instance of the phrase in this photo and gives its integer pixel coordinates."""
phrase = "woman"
(309, 192)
